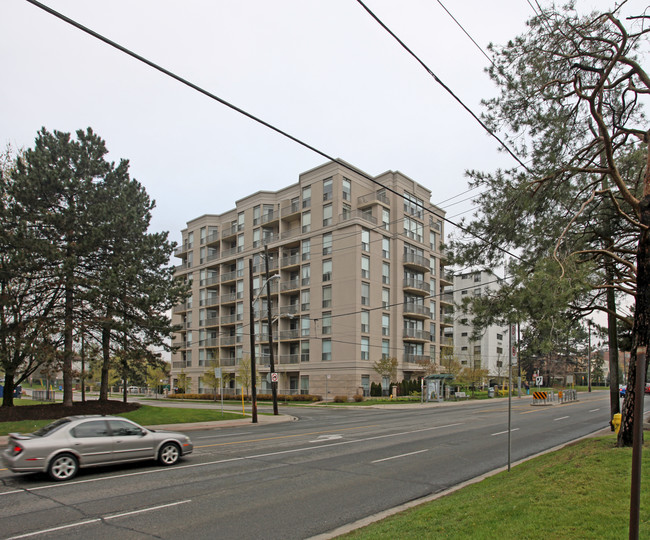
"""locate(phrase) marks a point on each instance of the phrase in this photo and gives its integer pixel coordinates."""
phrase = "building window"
(365, 294)
(365, 240)
(365, 348)
(304, 351)
(385, 324)
(413, 205)
(385, 247)
(306, 274)
(327, 323)
(477, 278)
(305, 324)
(306, 197)
(500, 337)
(305, 300)
(347, 211)
(327, 349)
(365, 321)
(385, 219)
(327, 189)
(385, 348)
(327, 296)
(499, 350)
(385, 273)
(365, 384)
(433, 241)
(347, 190)
(385, 298)
(304, 384)
(256, 238)
(327, 270)
(327, 244)
(432, 265)
(306, 222)
(327, 215)
(256, 215)
(306, 250)
(365, 267)
(413, 229)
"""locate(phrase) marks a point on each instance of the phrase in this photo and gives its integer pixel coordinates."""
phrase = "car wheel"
(169, 454)
(63, 467)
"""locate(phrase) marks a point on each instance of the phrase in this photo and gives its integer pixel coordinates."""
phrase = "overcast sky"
(322, 70)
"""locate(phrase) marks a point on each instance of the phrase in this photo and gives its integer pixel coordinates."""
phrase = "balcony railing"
(419, 335)
(418, 284)
(416, 309)
(415, 259)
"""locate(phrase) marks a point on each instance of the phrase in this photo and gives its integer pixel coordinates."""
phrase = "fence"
(548, 397)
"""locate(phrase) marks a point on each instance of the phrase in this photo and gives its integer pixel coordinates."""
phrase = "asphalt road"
(294, 480)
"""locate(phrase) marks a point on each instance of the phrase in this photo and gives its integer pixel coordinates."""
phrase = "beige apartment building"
(356, 275)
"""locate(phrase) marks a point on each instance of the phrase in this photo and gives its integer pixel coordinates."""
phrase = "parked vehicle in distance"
(621, 390)
(647, 388)
(68, 444)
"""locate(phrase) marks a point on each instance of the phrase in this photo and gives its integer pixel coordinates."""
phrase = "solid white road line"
(506, 431)
(400, 456)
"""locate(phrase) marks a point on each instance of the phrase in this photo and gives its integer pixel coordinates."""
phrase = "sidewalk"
(262, 419)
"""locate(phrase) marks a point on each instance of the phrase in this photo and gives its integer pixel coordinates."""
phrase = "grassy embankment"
(581, 491)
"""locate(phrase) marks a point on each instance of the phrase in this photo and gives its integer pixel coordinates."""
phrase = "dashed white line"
(560, 418)
(506, 431)
(594, 410)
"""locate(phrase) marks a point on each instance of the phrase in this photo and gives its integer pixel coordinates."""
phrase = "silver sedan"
(65, 445)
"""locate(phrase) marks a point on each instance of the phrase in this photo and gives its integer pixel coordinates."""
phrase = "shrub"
(340, 399)
(358, 398)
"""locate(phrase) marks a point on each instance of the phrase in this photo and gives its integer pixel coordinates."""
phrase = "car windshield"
(51, 428)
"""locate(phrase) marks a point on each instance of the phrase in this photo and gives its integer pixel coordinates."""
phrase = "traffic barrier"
(540, 398)
(567, 396)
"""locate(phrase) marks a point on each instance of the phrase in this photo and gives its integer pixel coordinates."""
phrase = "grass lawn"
(145, 415)
(581, 491)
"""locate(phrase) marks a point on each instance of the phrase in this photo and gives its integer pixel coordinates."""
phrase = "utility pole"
(252, 340)
(589, 356)
(274, 383)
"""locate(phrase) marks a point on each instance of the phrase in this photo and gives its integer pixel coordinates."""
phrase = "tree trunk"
(641, 307)
(9, 386)
(106, 358)
(67, 344)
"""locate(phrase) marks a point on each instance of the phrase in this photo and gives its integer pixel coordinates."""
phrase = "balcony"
(372, 198)
(229, 231)
(290, 210)
(209, 302)
(231, 341)
(210, 321)
(182, 250)
(209, 342)
(447, 342)
(358, 214)
(212, 238)
(208, 282)
(228, 298)
(290, 260)
(411, 334)
(179, 365)
(422, 360)
(181, 308)
(289, 359)
(447, 299)
(446, 279)
(414, 260)
(230, 252)
(292, 334)
(290, 285)
(416, 286)
(228, 276)
(416, 310)
(231, 319)
(270, 217)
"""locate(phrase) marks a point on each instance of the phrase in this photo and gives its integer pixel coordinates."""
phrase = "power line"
(466, 32)
(266, 124)
(437, 79)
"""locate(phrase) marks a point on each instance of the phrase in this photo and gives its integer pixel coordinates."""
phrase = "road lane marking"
(325, 438)
(97, 520)
(400, 456)
(232, 460)
(506, 431)
(221, 436)
(594, 410)
(287, 436)
(560, 418)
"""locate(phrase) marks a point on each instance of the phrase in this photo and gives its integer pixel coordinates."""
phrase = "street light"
(252, 333)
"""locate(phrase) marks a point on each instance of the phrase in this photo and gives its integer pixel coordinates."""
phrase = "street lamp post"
(274, 382)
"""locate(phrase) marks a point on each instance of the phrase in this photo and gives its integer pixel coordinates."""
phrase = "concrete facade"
(360, 276)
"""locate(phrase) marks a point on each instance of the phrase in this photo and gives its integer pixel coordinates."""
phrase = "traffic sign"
(274, 377)
(539, 380)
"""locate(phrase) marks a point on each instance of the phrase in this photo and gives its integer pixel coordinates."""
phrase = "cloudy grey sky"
(322, 70)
